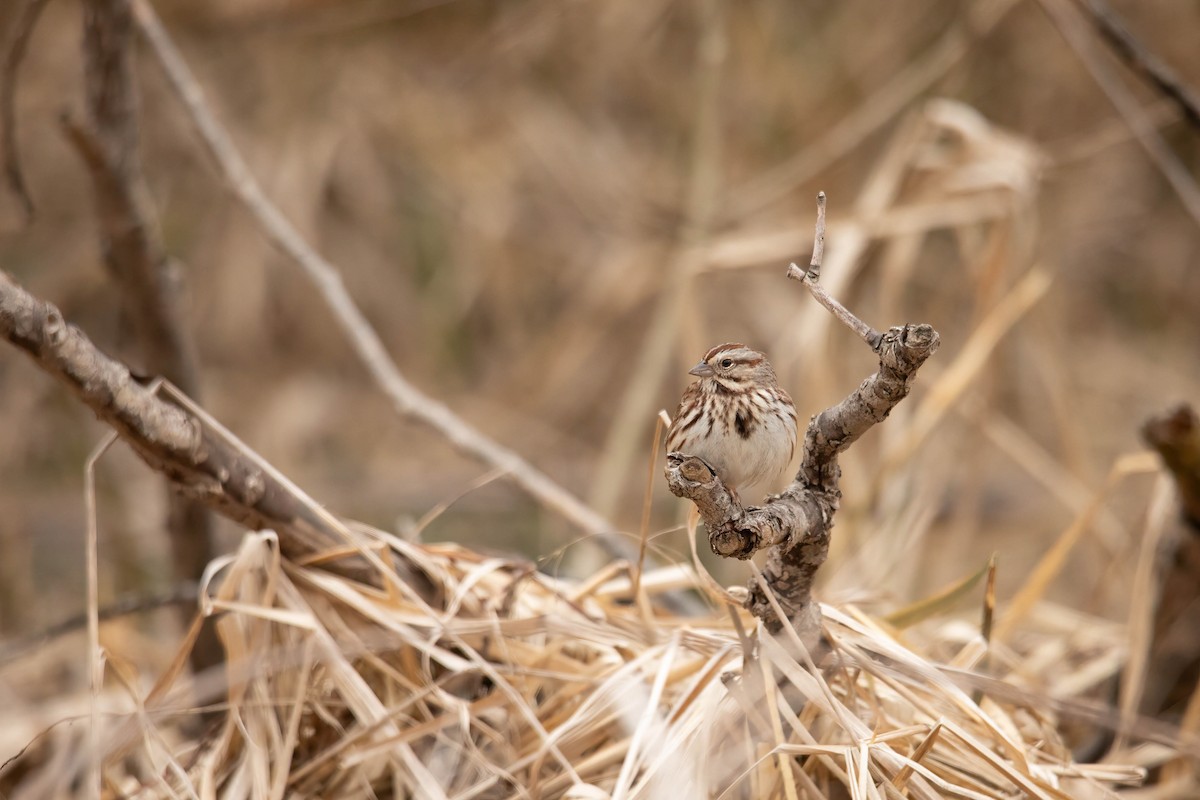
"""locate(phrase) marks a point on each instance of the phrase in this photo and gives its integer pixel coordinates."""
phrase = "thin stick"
(136, 258)
(1140, 59)
(810, 277)
(818, 256)
(1074, 29)
(406, 398)
(181, 594)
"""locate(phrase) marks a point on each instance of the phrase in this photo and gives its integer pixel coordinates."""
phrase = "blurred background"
(550, 210)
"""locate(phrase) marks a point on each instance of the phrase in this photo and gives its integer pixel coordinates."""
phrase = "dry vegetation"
(548, 211)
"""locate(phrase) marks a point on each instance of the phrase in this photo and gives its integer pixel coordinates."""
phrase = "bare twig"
(795, 525)
(14, 53)
(1079, 709)
(181, 594)
(1071, 25)
(811, 277)
(407, 399)
(133, 249)
(818, 256)
(1143, 61)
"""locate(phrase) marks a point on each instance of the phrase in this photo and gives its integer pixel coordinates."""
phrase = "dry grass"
(519, 685)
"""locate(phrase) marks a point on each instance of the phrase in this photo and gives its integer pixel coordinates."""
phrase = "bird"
(736, 417)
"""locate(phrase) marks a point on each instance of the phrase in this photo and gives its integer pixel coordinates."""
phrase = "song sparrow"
(736, 417)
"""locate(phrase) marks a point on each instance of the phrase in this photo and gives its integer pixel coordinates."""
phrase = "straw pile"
(520, 685)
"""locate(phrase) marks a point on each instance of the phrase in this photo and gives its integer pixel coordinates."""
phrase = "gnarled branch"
(795, 525)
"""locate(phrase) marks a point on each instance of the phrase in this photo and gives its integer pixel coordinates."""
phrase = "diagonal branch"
(202, 460)
(406, 398)
(812, 275)
(1071, 25)
(1143, 61)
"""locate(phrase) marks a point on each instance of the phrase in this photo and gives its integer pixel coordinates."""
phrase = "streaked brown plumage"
(736, 417)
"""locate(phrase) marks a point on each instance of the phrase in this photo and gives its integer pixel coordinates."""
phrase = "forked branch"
(812, 275)
(795, 525)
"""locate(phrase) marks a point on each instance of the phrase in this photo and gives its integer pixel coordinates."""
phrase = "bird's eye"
(727, 362)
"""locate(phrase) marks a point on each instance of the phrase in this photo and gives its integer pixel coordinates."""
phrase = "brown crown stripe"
(720, 347)
(753, 358)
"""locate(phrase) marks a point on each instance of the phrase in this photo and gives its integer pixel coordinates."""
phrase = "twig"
(181, 594)
(406, 398)
(1143, 61)
(1098, 712)
(795, 525)
(1073, 28)
(14, 53)
(818, 256)
(811, 277)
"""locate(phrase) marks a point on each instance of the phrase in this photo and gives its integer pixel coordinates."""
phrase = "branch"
(810, 277)
(1143, 61)
(1074, 29)
(795, 525)
(406, 399)
(183, 595)
(203, 461)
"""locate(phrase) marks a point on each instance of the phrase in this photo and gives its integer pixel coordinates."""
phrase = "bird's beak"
(701, 370)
